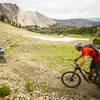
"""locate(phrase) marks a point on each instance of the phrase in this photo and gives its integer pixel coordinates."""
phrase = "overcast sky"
(61, 9)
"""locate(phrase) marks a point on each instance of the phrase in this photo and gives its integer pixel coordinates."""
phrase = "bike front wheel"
(71, 79)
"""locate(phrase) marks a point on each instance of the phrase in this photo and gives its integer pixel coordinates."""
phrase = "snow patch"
(64, 39)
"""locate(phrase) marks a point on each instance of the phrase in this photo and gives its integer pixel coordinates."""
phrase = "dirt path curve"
(44, 76)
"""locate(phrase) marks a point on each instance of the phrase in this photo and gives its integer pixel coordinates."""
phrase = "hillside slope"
(25, 18)
(78, 22)
(42, 62)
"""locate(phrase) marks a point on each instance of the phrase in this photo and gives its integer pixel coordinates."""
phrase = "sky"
(61, 9)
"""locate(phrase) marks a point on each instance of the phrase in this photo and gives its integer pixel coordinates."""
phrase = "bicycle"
(72, 79)
(2, 59)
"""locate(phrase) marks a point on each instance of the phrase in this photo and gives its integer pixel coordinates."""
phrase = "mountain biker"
(1, 51)
(95, 63)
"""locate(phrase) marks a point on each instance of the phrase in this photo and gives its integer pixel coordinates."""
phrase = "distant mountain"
(15, 14)
(75, 22)
(95, 19)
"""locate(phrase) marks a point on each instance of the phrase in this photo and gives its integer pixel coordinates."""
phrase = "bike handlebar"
(75, 62)
(77, 65)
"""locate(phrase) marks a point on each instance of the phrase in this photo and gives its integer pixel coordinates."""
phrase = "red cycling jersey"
(87, 50)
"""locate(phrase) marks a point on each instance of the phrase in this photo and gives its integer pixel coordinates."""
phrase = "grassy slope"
(56, 56)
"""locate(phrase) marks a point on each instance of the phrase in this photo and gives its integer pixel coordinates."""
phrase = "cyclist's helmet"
(0, 47)
(78, 44)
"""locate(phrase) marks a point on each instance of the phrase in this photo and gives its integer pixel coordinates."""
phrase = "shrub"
(98, 34)
(30, 28)
(19, 26)
(16, 90)
(96, 41)
(29, 86)
(4, 91)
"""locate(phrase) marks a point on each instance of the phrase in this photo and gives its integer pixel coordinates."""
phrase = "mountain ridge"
(25, 18)
(95, 19)
(15, 15)
(76, 22)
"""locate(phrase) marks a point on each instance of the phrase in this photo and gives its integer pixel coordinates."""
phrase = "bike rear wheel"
(3, 60)
(71, 79)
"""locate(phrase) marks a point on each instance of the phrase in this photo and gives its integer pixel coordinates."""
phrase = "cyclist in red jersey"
(95, 63)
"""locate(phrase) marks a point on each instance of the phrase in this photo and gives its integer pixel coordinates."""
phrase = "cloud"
(61, 8)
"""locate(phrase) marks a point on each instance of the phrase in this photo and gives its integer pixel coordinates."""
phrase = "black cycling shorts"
(96, 66)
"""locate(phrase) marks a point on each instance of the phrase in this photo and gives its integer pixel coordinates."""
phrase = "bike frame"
(81, 71)
(83, 74)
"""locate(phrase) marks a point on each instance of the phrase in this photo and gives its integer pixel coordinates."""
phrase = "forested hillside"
(63, 30)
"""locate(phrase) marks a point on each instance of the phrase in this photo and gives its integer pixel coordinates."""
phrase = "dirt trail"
(44, 76)
(16, 72)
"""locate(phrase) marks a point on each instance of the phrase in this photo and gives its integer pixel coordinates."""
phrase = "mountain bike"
(72, 79)
(2, 59)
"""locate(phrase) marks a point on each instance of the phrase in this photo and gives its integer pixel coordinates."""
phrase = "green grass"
(71, 35)
(57, 56)
(54, 55)
(79, 36)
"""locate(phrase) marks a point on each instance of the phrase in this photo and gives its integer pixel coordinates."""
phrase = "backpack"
(95, 47)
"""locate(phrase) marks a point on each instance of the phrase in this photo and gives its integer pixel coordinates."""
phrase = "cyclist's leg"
(0, 59)
(4, 59)
(97, 68)
(92, 67)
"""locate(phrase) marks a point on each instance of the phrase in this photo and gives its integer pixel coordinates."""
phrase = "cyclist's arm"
(80, 56)
(83, 61)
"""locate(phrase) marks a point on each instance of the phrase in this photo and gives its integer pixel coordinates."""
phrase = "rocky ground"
(15, 73)
(15, 81)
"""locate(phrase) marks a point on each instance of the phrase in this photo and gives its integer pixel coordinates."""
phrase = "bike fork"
(73, 76)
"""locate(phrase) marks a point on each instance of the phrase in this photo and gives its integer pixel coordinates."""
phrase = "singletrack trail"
(15, 73)
(17, 70)
(44, 76)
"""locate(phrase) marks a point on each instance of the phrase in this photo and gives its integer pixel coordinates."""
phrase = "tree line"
(57, 29)
(92, 31)
(4, 18)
